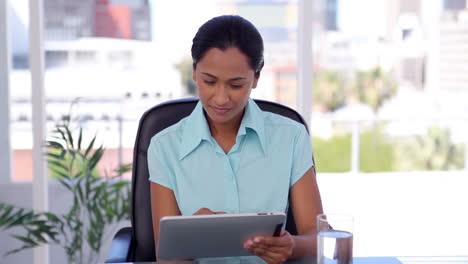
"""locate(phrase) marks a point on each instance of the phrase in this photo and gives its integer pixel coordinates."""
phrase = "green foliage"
(334, 154)
(332, 89)
(55, 170)
(40, 227)
(373, 87)
(434, 151)
(186, 70)
(377, 151)
(98, 202)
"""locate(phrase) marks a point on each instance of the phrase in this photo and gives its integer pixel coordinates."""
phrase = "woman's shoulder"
(170, 133)
(276, 121)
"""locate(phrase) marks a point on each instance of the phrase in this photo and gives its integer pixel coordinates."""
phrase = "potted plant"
(99, 203)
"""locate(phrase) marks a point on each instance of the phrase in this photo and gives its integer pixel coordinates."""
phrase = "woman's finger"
(273, 241)
(270, 256)
(205, 211)
(271, 248)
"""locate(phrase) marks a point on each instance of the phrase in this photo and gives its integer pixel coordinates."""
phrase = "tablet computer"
(217, 235)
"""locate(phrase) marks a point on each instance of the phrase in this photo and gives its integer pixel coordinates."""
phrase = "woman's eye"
(236, 85)
(209, 82)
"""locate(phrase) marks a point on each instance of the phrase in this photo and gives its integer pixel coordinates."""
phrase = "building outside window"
(389, 123)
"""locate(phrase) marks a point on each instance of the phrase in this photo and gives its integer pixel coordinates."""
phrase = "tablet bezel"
(215, 235)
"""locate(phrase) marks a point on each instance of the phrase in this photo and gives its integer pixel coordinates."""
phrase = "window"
(388, 126)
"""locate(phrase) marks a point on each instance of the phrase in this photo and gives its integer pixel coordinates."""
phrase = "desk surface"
(357, 260)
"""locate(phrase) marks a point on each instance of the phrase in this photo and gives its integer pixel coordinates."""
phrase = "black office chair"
(136, 243)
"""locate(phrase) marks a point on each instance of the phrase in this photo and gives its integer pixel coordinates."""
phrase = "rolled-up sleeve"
(158, 167)
(302, 156)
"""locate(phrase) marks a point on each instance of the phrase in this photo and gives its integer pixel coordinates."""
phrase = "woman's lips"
(220, 110)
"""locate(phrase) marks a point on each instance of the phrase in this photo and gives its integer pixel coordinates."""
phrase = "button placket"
(232, 195)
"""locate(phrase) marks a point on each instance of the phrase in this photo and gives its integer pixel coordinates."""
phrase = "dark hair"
(229, 31)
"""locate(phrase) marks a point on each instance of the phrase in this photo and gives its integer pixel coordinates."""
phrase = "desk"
(357, 260)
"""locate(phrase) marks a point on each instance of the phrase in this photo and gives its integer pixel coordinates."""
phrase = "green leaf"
(80, 191)
(96, 157)
(58, 164)
(52, 217)
(80, 137)
(53, 156)
(119, 185)
(21, 218)
(5, 216)
(97, 193)
(38, 235)
(72, 153)
(56, 137)
(37, 222)
(65, 184)
(54, 145)
(60, 173)
(78, 174)
(90, 146)
(124, 168)
(25, 240)
(88, 186)
(19, 249)
(62, 134)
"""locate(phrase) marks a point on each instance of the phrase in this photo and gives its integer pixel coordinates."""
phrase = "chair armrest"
(120, 247)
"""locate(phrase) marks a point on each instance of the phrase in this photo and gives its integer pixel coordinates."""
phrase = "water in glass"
(335, 247)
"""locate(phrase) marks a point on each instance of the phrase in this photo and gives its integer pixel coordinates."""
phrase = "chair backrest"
(152, 122)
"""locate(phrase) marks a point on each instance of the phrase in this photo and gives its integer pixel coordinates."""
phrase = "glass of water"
(334, 239)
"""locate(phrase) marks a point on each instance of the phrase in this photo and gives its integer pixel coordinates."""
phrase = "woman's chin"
(219, 120)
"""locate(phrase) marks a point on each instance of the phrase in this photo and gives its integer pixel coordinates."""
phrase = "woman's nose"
(221, 95)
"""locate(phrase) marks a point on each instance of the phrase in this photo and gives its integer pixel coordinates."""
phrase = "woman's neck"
(225, 133)
(228, 129)
(225, 130)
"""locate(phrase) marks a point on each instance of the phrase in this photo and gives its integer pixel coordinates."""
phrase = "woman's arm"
(163, 203)
(306, 204)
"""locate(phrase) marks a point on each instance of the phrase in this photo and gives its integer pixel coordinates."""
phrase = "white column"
(5, 65)
(355, 146)
(304, 59)
(466, 147)
(36, 64)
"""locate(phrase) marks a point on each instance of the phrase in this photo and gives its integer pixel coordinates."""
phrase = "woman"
(228, 156)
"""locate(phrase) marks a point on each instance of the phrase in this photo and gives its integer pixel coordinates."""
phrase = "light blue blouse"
(271, 153)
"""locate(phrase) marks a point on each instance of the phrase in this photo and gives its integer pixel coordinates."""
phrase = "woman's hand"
(273, 250)
(206, 211)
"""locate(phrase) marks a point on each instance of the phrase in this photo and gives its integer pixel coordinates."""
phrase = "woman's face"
(224, 80)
